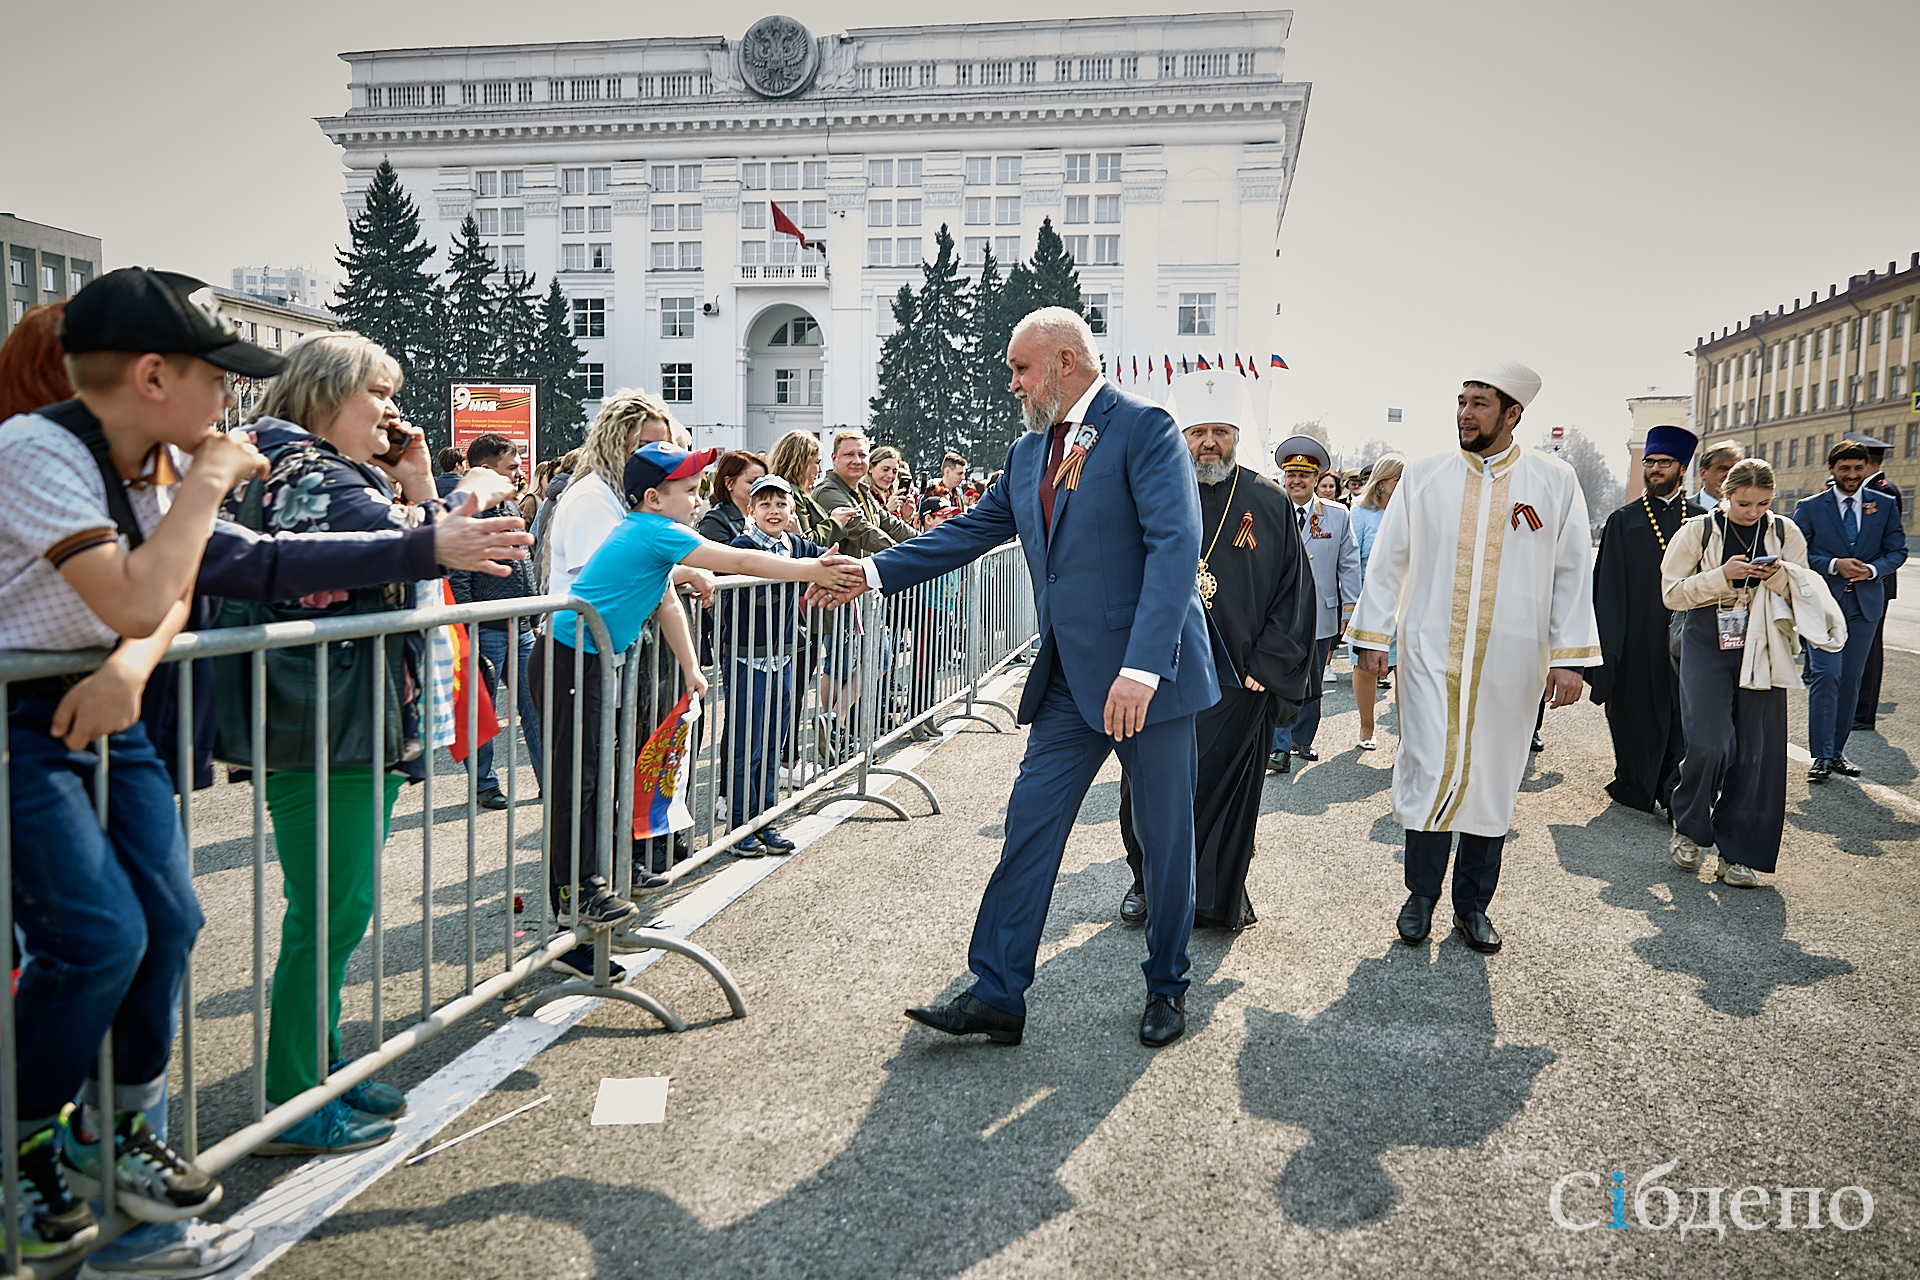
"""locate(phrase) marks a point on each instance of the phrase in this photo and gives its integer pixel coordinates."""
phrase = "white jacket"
(1791, 605)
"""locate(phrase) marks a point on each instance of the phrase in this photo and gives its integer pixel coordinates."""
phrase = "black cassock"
(1263, 607)
(1637, 682)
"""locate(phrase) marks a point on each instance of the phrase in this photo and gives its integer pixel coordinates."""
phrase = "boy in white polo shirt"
(99, 546)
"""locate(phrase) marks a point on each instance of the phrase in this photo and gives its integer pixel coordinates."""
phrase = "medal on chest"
(1203, 576)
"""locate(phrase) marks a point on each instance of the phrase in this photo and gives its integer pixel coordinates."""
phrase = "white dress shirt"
(1858, 516)
(1076, 415)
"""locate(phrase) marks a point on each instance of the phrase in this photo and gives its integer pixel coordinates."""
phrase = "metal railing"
(801, 705)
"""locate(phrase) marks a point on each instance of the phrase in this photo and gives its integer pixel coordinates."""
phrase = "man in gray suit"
(1327, 530)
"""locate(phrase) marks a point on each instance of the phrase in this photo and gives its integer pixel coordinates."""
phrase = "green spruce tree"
(469, 348)
(1056, 282)
(945, 352)
(556, 362)
(389, 296)
(896, 403)
(516, 325)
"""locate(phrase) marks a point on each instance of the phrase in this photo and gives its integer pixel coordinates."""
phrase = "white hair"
(1062, 330)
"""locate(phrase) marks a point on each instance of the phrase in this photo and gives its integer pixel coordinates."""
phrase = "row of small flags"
(1244, 367)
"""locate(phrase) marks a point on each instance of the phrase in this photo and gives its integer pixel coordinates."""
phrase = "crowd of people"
(137, 518)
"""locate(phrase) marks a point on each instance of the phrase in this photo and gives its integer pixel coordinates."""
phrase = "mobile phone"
(1761, 562)
(397, 441)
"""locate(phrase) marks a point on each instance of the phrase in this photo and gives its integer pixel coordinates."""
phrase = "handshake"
(835, 579)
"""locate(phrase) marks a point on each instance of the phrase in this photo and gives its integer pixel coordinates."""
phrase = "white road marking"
(1885, 795)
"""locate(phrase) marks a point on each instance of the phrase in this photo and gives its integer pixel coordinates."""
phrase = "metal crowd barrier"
(797, 713)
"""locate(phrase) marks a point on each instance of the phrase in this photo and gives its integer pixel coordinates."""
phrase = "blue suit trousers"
(1835, 688)
(1063, 755)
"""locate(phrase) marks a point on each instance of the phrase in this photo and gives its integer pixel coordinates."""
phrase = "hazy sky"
(1584, 187)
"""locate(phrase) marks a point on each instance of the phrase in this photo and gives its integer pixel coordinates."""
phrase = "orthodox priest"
(1639, 682)
(1482, 566)
(1258, 590)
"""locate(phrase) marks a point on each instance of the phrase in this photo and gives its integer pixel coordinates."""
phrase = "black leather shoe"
(1536, 744)
(491, 798)
(1133, 907)
(1822, 770)
(1862, 726)
(1416, 919)
(1842, 765)
(1477, 931)
(1164, 1021)
(1280, 762)
(966, 1016)
(1306, 753)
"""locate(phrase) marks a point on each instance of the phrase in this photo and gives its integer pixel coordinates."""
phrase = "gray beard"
(1213, 472)
(1042, 411)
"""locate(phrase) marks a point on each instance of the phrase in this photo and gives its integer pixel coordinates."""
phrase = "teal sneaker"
(151, 1181)
(331, 1130)
(372, 1097)
(53, 1221)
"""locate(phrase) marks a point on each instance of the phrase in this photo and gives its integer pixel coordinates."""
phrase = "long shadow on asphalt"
(958, 1156)
(1860, 825)
(1405, 1058)
(1733, 940)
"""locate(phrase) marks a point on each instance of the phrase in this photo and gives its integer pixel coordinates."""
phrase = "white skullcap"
(1211, 396)
(1510, 376)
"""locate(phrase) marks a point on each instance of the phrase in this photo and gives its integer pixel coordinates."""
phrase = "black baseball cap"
(139, 309)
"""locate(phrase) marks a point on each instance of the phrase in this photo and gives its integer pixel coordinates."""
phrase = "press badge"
(1733, 627)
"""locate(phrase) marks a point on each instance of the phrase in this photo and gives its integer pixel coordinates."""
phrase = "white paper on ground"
(641, 1101)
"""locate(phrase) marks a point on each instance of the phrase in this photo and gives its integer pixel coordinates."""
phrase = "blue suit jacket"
(1882, 543)
(1114, 583)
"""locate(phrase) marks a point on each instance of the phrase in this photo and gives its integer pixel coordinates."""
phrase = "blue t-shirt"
(626, 578)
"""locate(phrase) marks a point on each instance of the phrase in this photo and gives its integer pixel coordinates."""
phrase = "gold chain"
(1203, 576)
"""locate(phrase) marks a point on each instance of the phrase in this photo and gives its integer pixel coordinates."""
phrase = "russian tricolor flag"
(1278, 363)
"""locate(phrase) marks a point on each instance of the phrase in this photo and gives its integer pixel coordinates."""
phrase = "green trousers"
(293, 1033)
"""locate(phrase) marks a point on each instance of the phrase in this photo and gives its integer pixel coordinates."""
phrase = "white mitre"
(1211, 396)
(1510, 376)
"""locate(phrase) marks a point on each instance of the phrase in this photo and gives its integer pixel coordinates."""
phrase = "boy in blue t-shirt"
(626, 581)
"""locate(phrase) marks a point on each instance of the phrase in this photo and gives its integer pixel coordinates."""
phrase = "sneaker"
(151, 1181)
(601, 905)
(1684, 852)
(331, 1130)
(53, 1221)
(1740, 877)
(373, 1098)
(751, 847)
(1368, 744)
(771, 837)
(206, 1248)
(579, 963)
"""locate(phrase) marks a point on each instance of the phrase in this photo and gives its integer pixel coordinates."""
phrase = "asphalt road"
(1341, 1106)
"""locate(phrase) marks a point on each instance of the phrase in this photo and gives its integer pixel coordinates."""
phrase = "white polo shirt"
(56, 509)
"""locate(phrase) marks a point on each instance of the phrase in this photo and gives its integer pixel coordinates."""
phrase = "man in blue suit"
(1854, 541)
(1100, 492)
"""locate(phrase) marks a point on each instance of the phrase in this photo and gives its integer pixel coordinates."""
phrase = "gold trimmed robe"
(1483, 567)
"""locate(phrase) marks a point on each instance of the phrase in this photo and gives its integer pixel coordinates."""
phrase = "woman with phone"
(1732, 795)
(343, 462)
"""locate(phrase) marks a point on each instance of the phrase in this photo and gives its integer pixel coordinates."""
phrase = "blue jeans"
(759, 706)
(493, 647)
(1834, 691)
(108, 917)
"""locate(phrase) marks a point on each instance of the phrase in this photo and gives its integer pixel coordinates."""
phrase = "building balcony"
(780, 273)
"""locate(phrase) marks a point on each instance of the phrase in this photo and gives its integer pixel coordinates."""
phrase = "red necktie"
(1047, 488)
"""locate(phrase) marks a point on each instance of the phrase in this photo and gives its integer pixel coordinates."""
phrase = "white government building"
(642, 171)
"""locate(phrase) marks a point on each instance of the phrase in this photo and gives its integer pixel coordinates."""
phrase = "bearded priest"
(1482, 565)
(1257, 586)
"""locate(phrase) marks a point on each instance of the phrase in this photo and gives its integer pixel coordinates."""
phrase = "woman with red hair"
(31, 373)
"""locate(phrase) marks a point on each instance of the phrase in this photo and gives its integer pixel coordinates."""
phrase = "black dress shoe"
(1477, 931)
(1164, 1021)
(1133, 907)
(1842, 765)
(491, 798)
(1280, 762)
(1536, 744)
(966, 1016)
(1306, 753)
(1416, 919)
(1821, 770)
(1862, 726)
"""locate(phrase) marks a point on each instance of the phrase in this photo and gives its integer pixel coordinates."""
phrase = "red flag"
(1255, 366)
(1169, 360)
(784, 225)
(1278, 363)
(1204, 366)
(1237, 366)
(486, 722)
(1136, 368)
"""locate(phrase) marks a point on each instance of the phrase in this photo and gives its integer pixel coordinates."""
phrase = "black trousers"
(571, 705)
(1476, 871)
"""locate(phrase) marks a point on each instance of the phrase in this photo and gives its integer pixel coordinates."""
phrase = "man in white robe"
(1483, 566)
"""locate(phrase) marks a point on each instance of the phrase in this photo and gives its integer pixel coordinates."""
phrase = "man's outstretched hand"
(837, 579)
(489, 546)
